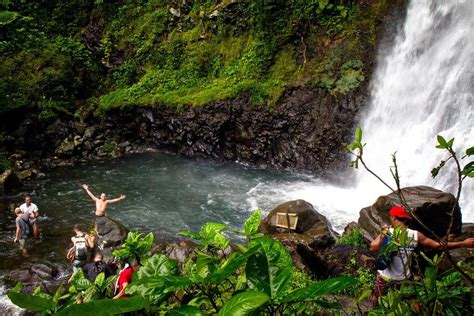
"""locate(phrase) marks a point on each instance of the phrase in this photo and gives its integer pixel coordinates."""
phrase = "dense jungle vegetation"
(81, 57)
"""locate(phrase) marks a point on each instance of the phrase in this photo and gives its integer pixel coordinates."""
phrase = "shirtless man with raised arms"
(101, 203)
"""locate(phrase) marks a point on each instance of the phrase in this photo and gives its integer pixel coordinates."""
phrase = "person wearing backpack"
(93, 269)
(397, 267)
(78, 252)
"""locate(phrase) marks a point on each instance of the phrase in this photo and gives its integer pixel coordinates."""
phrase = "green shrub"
(355, 238)
(5, 163)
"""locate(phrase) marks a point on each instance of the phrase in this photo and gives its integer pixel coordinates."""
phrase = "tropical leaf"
(105, 307)
(270, 269)
(252, 223)
(329, 286)
(210, 229)
(31, 302)
(470, 151)
(190, 234)
(243, 303)
(157, 265)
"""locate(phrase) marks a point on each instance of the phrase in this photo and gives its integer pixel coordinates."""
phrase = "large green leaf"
(243, 303)
(230, 266)
(270, 269)
(31, 302)
(187, 310)
(190, 234)
(158, 288)
(105, 307)
(210, 229)
(329, 286)
(157, 265)
(252, 223)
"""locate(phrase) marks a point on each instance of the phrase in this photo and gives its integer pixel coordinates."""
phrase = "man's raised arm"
(122, 197)
(86, 187)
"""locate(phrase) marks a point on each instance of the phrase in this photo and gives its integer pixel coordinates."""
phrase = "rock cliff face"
(305, 131)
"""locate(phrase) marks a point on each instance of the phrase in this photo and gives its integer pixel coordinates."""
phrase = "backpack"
(96, 269)
(80, 244)
(383, 261)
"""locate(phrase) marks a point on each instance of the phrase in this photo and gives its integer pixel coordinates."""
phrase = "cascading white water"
(422, 87)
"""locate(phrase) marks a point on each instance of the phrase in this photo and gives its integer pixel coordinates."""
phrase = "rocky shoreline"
(312, 243)
(306, 131)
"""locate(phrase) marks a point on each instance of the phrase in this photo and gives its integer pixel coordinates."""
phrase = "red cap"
(399, 211)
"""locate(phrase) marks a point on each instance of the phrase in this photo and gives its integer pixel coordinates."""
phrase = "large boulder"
(110, 233)
(47, 277)
(313, 230)
(336, 261)
(433, 208)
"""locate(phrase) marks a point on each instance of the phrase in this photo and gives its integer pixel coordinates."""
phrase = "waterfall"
(422, 88)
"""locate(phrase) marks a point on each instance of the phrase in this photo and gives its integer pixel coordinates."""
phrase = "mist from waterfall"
(422, 88)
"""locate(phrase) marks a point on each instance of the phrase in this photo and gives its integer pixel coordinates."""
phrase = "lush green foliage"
(354, 238)
(5, 163)
(433, 293)
(255, 278)
(135, 246)
(65, 58)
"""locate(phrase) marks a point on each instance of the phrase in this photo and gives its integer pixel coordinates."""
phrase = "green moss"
(149, 57)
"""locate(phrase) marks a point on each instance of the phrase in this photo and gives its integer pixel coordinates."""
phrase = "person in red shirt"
(124, 279)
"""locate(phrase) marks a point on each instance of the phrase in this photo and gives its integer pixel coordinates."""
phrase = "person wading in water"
(102, 202)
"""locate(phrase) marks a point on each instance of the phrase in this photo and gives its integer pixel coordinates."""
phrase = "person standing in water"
(22, 230)
(102, 202)
(31, 210)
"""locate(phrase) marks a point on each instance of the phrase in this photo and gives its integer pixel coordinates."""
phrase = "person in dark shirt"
(22, 230)
(93, 269)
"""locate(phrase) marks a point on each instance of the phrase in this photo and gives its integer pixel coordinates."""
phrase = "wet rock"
(66, 148)
(430, 205)
(26, 174)
(178, 250)
(8, 181)
(335, 261)
(312, 231)
(310, 223)
(40, 275)
(43, 271)
(110, 232)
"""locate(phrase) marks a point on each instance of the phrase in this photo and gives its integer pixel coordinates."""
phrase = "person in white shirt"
(399, 268)
(32, 210)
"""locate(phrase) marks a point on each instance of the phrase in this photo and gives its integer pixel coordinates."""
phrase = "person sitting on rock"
(93, 269)
(101, 203)
(22, 230)
(78, 252)
(399, 269)
(32, 211)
